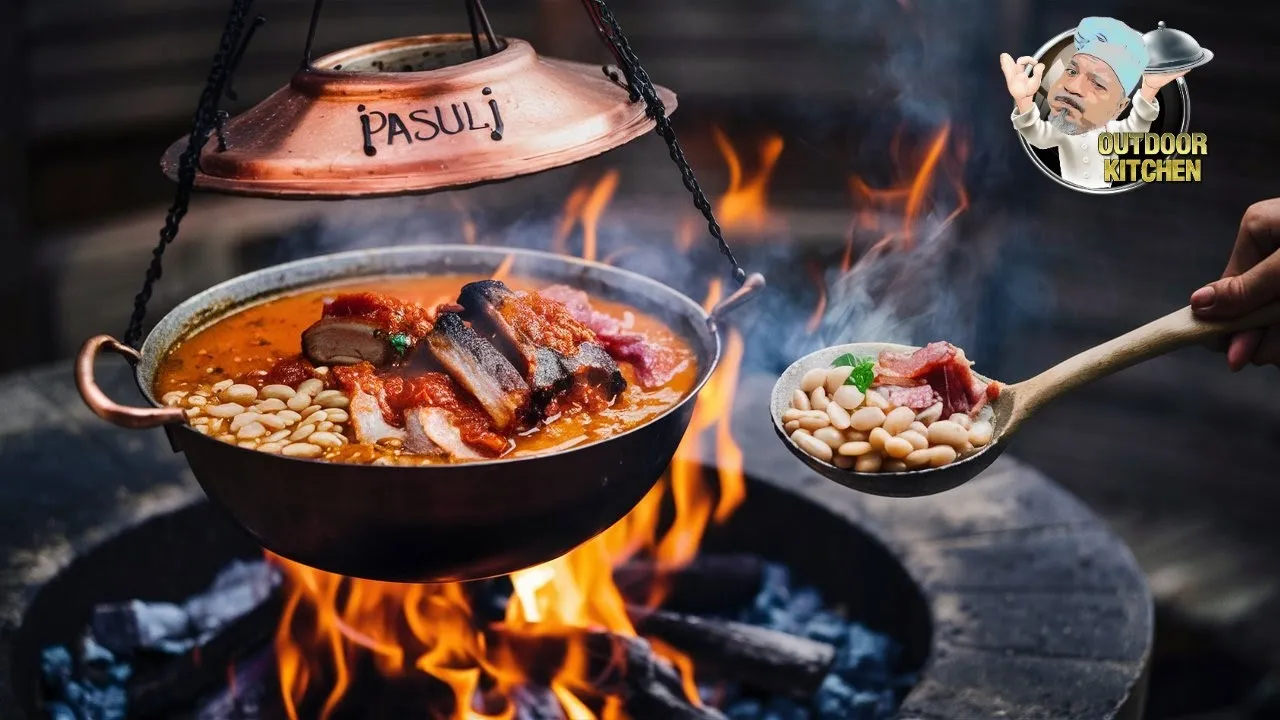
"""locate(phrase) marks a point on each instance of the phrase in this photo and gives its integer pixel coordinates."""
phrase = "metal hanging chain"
(640, 83)
(202, 126)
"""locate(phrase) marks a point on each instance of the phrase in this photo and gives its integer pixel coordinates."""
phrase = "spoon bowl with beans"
(947, 458)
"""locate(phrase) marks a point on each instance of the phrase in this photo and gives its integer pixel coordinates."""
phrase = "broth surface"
(254, 338)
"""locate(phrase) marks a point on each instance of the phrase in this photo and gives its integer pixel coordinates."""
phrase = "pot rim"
(192, 307)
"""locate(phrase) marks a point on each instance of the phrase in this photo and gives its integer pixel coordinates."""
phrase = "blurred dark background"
(1179, 455)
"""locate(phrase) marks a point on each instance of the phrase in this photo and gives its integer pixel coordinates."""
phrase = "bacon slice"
(654, 364)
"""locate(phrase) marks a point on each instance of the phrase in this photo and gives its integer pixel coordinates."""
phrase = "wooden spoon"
(1017, 402)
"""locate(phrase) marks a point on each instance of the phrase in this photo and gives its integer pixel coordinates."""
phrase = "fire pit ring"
(1036, 609)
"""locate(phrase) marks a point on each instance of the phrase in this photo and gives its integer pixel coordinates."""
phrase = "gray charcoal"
(95, 690)
(165, 627)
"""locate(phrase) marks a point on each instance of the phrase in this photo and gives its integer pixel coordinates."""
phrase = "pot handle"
(750, 287)
(103, 406)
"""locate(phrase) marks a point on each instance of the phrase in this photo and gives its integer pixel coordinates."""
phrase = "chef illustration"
(1091, 90)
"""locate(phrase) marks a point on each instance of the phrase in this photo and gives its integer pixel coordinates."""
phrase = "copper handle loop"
(106, 408)
(749, 289)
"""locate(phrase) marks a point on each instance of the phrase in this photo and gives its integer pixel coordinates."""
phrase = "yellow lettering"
(1193, 170)
(1184, 143)
(1105, 143)
(1152, 144)
(1109, 170)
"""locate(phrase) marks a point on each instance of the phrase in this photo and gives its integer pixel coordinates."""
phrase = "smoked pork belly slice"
(367, 420)
(654, 364)
(559, 354)
(365, 327)
(919, 397)
(480, 369)
(430, 431)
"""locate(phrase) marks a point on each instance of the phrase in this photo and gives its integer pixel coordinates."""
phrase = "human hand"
(1153, 82)
(1251, 280)
(1021, 86)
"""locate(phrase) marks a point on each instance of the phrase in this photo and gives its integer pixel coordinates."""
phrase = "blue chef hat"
(1115, 44)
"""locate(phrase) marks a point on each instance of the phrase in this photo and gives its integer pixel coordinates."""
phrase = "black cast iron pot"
(438, 523)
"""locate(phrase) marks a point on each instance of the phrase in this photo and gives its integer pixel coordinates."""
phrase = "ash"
(862, 684)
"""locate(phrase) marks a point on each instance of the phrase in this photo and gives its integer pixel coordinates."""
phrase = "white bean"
(301, 433)
(243, 419)
(270, 405)
(332, 399)
(271, 447)
(836, 378)
(337, 415)
(898, 448)
(325, 439)
(844, 462)
(278, 392)
(848, 397)
(201, 421)
(227, 438)
(171, 399)
(945, 432)
(918, 440)
(854, 449)
(941, 455)
(193, 412)
(962, 420)
(322, 371)
(893, 465)
(919, 427)
(298, 402)
(324, 426)
(867, 418)
(251, 431)
(812, 445)
(818, 399)
(197, 400)
(248, 444)
(877, 438)
(310, 409)
(289, 417)
(277, 436)
(239, 393)
(310, 387)
(839, 416)
(271, 422)
(224, 410)
(868, 463)
(813, 420)
(830, 436)
(875, 399)
(318, 416)
(898, 420)
(221, 385)
(792, 414)
(792, 426)
(918, 458)
(855, 436)
(800, 401)
(813, 379)
(930, 414)
(202, 429)
(981, 433)
(301, 450)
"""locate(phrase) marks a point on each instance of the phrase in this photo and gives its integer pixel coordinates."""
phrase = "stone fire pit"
(1018, 601)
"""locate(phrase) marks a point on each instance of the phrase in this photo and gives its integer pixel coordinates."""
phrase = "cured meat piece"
(946, 370)
(347, 341)
(475, 364)
(558, 353)
(391, 315)
(430, 431)
(367, 420)
(916, 398)
(654, 364)
(916, 364)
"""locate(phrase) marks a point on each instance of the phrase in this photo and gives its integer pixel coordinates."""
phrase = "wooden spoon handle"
(1175, 330)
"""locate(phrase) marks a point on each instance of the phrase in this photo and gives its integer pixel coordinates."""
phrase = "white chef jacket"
(1078, 154)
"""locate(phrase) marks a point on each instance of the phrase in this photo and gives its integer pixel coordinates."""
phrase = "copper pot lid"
(414, 115)
(1172, 50)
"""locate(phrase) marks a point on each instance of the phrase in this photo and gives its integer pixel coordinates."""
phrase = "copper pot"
(422, 524)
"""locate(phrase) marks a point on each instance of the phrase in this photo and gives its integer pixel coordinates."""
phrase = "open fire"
(543, 639)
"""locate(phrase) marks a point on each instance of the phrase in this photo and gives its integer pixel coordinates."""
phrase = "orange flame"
(332, 623)
(744, 206)
(585, 207)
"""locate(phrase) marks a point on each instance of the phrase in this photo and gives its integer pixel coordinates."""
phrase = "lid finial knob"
(1160, 25)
